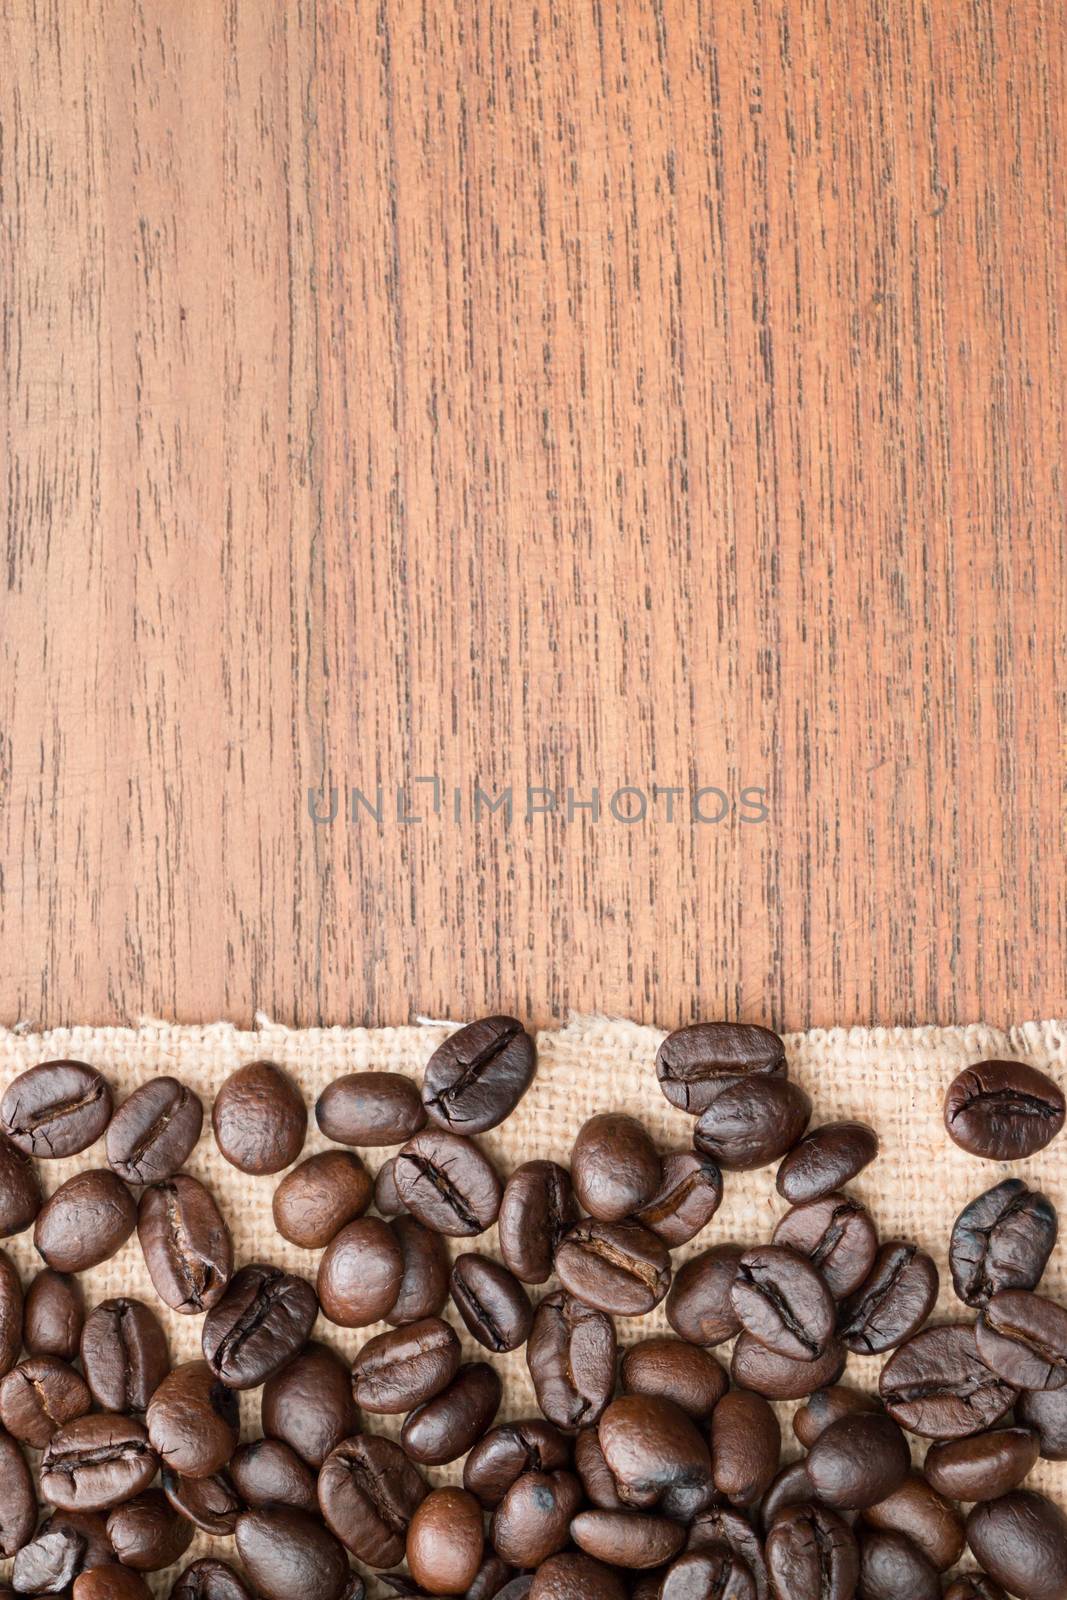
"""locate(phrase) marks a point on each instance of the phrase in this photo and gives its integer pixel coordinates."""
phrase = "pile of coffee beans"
(657, 1472)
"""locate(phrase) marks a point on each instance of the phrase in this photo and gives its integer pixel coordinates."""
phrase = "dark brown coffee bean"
(693, 1062)
(1021, 1541)
(1023, 1338)
(259, 1119)
(478, 1076)
(386, 1200)
(936, 1385)
(600, 1487)
(369, 1491)
(1002, 1240)
(54, 1315)
(892, 1302)
(147, 1533)
(124, 1354)
(492, 1302)
(812, 1555)
(209, 1579)
(537, 1209)
(287, 1553)
(857, 1461)
(614, 1167)
(826, 1406)
(18, 1503)
(96, 1462)
(10, 1314)
(506, 1452)
(444, 1428)
(1045, 1410)
(614, 1266)
(689, 1194)
(69, 1543)
(20, 1190)
(780, 1377)
(398, 1371)
(446, 1541)
(746, 1441)
(40, 1395)
(576, 1577)
(753, 1122)
(153, 1133)
(983, 1466)
(657, 1456)
(677, 1371)
(370, 1109)
(262, 1321)
(57, 1109)
(87, 1220)
(825, 1160)
(492, 1575)
(571, 1356)
(631, 1539)
(315, 1201)
(192, 1421)
(931, 1522)
(210, 1504)
(713, 1572)
(1003, 1110)
(447, 1183)
(893, 1568)
(974, 1586)
(783, 1302)
(269, 1472)
(425, 1278)
(721, 1524)
(699, 1305)
(360, 1273)
(533, 1520)
(185, 1243)
(789, 1487)
(309, 1404)
(837, 1236)
(110, 1583)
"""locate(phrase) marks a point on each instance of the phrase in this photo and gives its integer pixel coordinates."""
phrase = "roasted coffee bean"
(576, 1577)
(95, 1462)
(444, 1428)
(780, 1377)
(507, 1451)
(447, 1183)
(1045, 1410)
(210, 1504)
(288, 1553)
(209, 1579)
(783, 1302)
(746, 1441)
(599, 1484)
(492, 1576)
(936, 1385)
(153, 1133)
(40, 1395)
(892, 1302)
(713, 1572)
(753, 1122)
(699, 1305)
(147, 1533)
(825, 1160)
(370, 1109)
(693, 1062)
(445, 1542)
(54, 1315)
(930, 1521)
(614, 1266)
(386, 1200)
(315, 1201)
(790, 1487)
(689, 1194)
(676, 1371)
(262, 1321)
(657, 1456)
(983, 1466)
(892, 1568)
(571, 1355)
(837, 1236)
(1021, 1541)
(631, 1539)
(974, 1586)
(51, 1561)
(20, 1190)
(614, 1167)
(124, 1354)
(192, 1421)
(1003, 1110)
(398, 1371)
(110, 1583)
(57, 1109)
(1023, 1338)
(269, 1472)
(723, 1525)
(259, 1119)
(477, 1077)
(360, 1273)
(87, 1220)
(368, 1492)
(812, 1555)
(537, 1209)
(826, 1406)
(424, 1281)
(533, 1520)
(492, 1302)
(11, 1311)
(309, 1404)
(186, 1244)
(1002, 1240)
(18, 1503)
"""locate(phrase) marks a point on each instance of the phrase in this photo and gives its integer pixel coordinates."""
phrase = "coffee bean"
(1021, 1541)
(692, 1062)
(657, 1456)
(576, 1577)
(491, 1575)
(185, 1243)
(783, 1302)
(1023, 1338)
(259, 1119)
(315, 1201)
(20, 1190)
(538, 1207)
(370, 1109)
(262, 1321)
(974, 1586)
(386, 1200)
(614, 1167)
(699, 1305)
(124, 1354)
(399, 1371)
(69, 1543)
(477, 1077)
(826, 1159)
(857, 1461)
(87, 1220)
(677, 1371)
(507, 1451)
(269, 1472)
(54, 1315)
(110, 1583)
(96, 1462)
(837, 1236)
(777, 1377)
(931, 1522)
(1045, 1410)
(893, 1568)
(11, 1309)
(892, 1302)
(445, 1541)
(40, 1395)
(812, 1555)
(689, 1194)
(153, 1133)
(210, 1504)
(790, 1487)
(444, 1428)
(599, 1484)
(209, 1579)
(715, 1571)
(288, 1553)
(533, 1520)
(936, 1385)
(424, 1281)
(147, 1533)
(360, 1273)
(571, 1356)
(746, 1441)
(1002, 1240)
(18, 1503)
(983, 1466)
(614, 1266)
(826, 1406)
(722, 1525)
(1003, 1110)
(368, 1492)
(57, 1109)
(631, 1539)
(309, 1404)
(492, 1302)
(447, 1183)
(193, 1421)
(753, 1122)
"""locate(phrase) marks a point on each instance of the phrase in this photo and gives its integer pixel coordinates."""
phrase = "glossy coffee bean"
(315, 1201)
(693, 1062)
(86, 1221)
(837, 1236)
(18, 1503)
(153, 1133)
(398, 1371)
(262, 1321)
(826, 1406)
(20, 1189)
(192, 1421)
(1045, 1410)
(492, 1302)
(360, 1273)
(269, 1472)
(689, 1194)
(124, 1354)
(67, 1544)
(209, 1579)
(478, 1075)
(147, 1533)
(700, 1306)
(721, 1524)
(812, 1555)
(571, 1355)
(96, 1462)
(57, 1109)
(937, 1386)
(40, 1395)
(368, 1492)
(753, 1122)
(746, 1441)
(618, 1267)
(983, 1466)
(538, 1207)
(490, 1576)
(1003, 1110)
(614, 1167)
(533, 1519)
(657, 1456)
(112, 1582)
(370, 1109)
(892, 1302)
(1022, 1337)
(677, 1371)
(715, 1571)
(259, 1119)
(974, 1586)
(210, 1504)
(780, 1377)
(789, 1487)
(11, 1314)
(54, 1315)
(185, 1243)
(783, 1302)
(931, 1522)
(631, 1539)
(445, 1428)
(892, 1568)
(596, 1476)
(1021, 1541)
(1001, 1240)
(447, 1183)
(445, 1542)
(288, 1554)
(825, 1160)
(309, 1404)
(424, 1282)
(576, 1577)
(387, 1201)
(507, 1451)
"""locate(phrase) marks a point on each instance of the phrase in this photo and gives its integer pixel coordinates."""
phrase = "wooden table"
(575, 396)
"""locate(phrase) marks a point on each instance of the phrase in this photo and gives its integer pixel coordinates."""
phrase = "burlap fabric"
(894, 1078)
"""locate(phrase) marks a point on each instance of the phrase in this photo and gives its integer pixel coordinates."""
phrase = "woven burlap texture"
(894, 1078)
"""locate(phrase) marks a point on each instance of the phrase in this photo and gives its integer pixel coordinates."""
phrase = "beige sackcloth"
(894, 1078)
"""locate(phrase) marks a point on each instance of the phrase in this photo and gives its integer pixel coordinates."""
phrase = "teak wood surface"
(571, 394)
